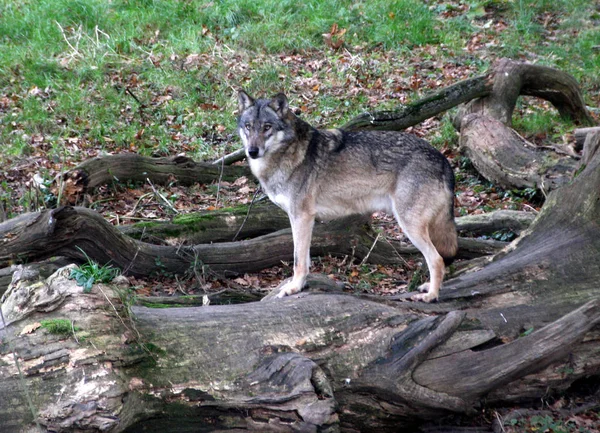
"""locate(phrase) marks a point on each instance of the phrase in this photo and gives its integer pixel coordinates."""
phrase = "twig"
(247, 214)
(500, 422)
(161, 197)
(143, 196)
(219, 183)
(364, 260)
(128, 90)
(132, 260)
(180, 287)
(532, 208)
(117, 313)
(140, 103)
(397, 253)
(62, 31)
(73, 331)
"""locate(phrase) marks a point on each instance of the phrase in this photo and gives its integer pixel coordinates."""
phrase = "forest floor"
(82, 79)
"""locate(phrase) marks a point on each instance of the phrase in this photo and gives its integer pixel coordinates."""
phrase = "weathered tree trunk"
(136, 168)
(581, 134)
(513, 79)
(498, 152)
(317, 362)
(313, 363)
(81, 233)
(502, 156)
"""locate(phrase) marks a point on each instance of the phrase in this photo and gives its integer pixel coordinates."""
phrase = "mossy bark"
(82, 234)
(214, 226)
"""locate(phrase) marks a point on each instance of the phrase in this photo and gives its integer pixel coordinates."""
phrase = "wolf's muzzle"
(253, 152)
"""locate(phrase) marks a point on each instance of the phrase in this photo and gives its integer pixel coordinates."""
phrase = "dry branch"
(425, 108)
(136, 168)
(513, 79)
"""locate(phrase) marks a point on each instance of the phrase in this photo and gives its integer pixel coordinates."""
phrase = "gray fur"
(327, 174)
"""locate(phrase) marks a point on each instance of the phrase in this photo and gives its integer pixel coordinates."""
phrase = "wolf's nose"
(253, 152)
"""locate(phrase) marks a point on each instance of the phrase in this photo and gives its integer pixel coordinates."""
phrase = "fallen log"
(132, 167)
(505, 158)
(513, 79)
(489, 223)
(524, 325)
(82, 234)
(264, 218)
(212, 226)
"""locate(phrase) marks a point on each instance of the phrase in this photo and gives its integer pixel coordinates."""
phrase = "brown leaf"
(30, 328)
(241, 281)
(209, 107)
(240, 181)
(334, 38)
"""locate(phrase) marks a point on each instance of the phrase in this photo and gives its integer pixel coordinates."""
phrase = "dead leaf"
(334, 38)
(30, 328)
(240, 181)
(241, 281)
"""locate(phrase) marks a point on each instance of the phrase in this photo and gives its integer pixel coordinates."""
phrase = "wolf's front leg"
(302, 226)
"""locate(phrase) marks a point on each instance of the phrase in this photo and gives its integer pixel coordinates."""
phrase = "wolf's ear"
(244, 101)
(279, 103)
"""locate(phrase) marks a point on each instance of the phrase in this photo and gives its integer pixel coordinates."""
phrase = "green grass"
(59, 326)
(158, 77)
(90, 273)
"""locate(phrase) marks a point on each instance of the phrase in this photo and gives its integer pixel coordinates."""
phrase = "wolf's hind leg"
(417, 232)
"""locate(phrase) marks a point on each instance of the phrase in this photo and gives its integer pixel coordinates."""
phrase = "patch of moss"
(153, 348)
(195, 218)
(148, 224)
(58, 326)
(160, 305)
(192, 218)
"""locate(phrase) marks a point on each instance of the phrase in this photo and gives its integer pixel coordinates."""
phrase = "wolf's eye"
(267, 127)
(247, 126)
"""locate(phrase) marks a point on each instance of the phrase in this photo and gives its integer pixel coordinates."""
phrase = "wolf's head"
(264, 125)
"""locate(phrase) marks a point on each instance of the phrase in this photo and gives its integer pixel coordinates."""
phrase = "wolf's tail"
(442, 232)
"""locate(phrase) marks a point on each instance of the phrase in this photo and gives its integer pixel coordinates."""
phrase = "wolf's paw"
(424, 297)
(288, 289)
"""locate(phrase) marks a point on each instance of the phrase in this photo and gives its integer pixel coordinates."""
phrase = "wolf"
(326, 174)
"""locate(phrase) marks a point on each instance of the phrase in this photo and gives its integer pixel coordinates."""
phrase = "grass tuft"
(91, 273)
(59, 326)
